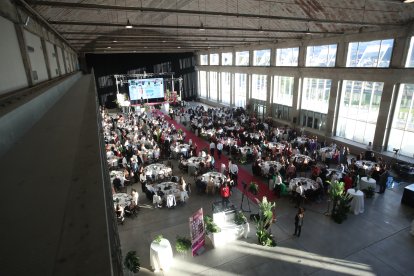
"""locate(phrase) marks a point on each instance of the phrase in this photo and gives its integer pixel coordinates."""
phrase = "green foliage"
(182, 244)
(240, 218)
(369, 193)
(131, 262)
(211, 226)
(158, 238)
(336, 190)
(265, 238)
(263, 234)
(341, 208)
(254, 188)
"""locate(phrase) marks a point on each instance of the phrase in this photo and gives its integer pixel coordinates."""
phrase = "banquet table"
(217, 178)
(357, 203)
(180, 148)
(309, 183)
(265, 166)
(369, 164)
(301, 140)
(276, 145)
(328, 151)
(122, 199)
(364, 183)
(246, 149)
(339, 174)
(161, 255)
(168, 188)
(195, 161)
(300, 158)
(158, 171)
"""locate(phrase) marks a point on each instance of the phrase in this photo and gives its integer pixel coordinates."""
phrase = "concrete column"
(232, 90)
(49, 75)
(384, 110)
(332, 112)
(302, 55)
(400, 51)
(269, 96)
(64, 60)
(297, 88)
(25, 57)
(341, 53)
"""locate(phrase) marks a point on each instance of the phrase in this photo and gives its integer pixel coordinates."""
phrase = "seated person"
(119, 211)
(130, 209)
(135, 196)
(117, 184)
(200, 185)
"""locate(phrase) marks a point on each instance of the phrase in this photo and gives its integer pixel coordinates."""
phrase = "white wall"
(13, 75)
(60, 57)
(50, 49)
(36, 57)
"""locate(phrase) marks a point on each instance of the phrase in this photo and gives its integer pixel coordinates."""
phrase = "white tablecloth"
(122, 199)
(357, 203)
(216, 177)
(160, 171)
(309, 183)
(265, 166)
(364, 183)
(161, 255)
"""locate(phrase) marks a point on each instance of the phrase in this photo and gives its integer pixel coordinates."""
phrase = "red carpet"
(243, 175)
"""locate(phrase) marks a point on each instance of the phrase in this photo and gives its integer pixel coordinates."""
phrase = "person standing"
(212, 148)
(234, 170)
(219, 149)
(299, 221)
(225, 194)
(383, 178)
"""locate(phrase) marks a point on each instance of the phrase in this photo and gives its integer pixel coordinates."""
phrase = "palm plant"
(131, 262)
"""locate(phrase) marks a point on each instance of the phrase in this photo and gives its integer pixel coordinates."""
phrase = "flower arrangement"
(240, 218)
(158, 238)
(211, 226)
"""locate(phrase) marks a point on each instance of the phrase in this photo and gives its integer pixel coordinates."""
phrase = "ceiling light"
(408, 1)
(164, 41)
(128, 25)
(178, 47)
(109, 47)
(201, 27)
(114, 41)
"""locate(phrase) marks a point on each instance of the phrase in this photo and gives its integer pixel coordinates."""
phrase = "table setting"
(307, 183)
(217, 178)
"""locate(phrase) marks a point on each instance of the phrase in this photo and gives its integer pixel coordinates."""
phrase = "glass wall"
(375, 53)
(287, 56)
(358, 110)
(402, 129)
(214, 59)
(225, 87)
(261, 57)
(283, 90)
(259, 87)
(315, 95)
(240, 86)
(213, 86)
(410, 56)
(321, 56)
(203, 84)
(203, 59)
(242, 58)
(227, 58)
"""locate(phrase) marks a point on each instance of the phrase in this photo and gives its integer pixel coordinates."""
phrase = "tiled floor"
(376, 242)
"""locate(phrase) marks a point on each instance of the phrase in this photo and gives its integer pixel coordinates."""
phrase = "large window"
(227, 58)
(225, 87)
(402, 130)
(321, 56)
(240, 89)
(242, 58)
(214, 59)
(203, 84)
(213, 86)
(203, 59)
(283, 90)
(287, 56)
(375, 53)
(315, 95)
(410, 56)
(358, 110)
(261, 57)
(259, 87)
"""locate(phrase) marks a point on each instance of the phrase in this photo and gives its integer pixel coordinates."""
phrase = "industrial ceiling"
(100, 26)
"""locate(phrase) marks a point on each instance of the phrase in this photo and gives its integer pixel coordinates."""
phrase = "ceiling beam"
(203, 13)
(153, 26)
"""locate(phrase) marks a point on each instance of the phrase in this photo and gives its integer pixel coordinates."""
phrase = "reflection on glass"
(287, 56)
(315, 95)
(227, 58)
(261, 57)
(203, 59)
(375, 53)
(410, 56)
(242, 58)
(321, 56)
(225, 87)
(240, 89)
(213, 86)
(214, 59)
(283, 90)
(259, 87)
(203, 84)
(358, 110)
(402, 129)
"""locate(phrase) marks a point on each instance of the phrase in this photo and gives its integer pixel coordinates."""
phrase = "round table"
(265, 166)
(364, 183)
(122, 199)
(161, 255)
(357, 203)
(309, 183)
(216, 177)
(159, 171)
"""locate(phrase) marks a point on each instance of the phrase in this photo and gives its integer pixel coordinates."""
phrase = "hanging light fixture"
(201, 27)
(261, 29)
(128, 25)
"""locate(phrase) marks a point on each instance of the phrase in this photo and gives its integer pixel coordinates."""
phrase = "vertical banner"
(197, 231)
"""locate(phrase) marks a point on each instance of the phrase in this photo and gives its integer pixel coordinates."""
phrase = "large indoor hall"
(195, 137)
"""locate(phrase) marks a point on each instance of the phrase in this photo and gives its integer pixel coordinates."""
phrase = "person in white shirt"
(234, 170)
(300, 193)
(219, 149)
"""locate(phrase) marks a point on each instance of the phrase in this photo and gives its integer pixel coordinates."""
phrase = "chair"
(210, 188)
(171, 201)
(157, 201)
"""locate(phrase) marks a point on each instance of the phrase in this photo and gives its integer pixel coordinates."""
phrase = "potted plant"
(240, 218)
(131, 262)
(254, 188)
(182, 245)
(341, 201)
(264, 236)
(369, 192)
(212, 231)
(158, 238)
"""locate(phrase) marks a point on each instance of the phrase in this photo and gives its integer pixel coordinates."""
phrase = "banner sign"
(197, 231)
